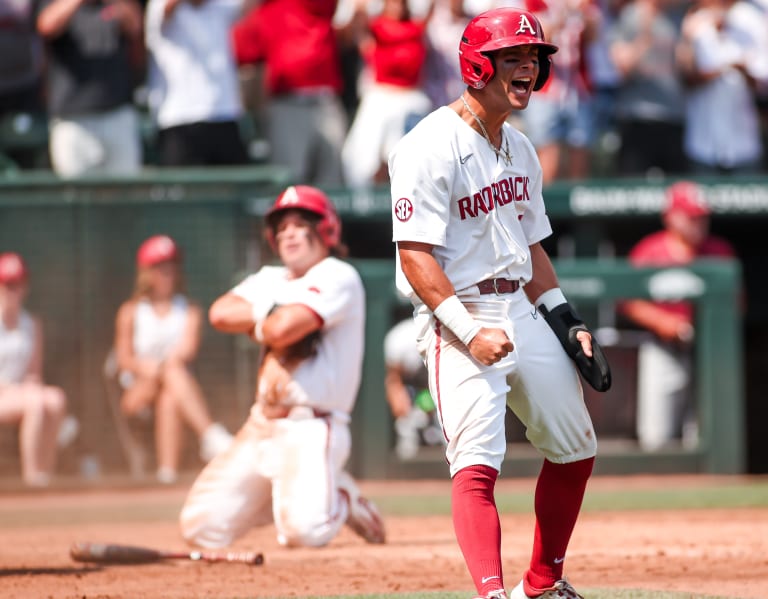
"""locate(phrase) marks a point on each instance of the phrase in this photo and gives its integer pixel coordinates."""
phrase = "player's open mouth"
(521, 85)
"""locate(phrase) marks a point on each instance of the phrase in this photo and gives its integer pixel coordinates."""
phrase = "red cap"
(157, 249)
(688, 198)
(12, 268)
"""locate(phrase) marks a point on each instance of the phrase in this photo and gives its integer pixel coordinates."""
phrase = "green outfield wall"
(721, 448)
(80, 237)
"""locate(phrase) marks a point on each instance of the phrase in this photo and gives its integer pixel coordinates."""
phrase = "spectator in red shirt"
(395, 50)
(306, 124)
(665, 409)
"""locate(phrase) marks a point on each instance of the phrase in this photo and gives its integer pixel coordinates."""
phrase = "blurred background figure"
(21, 69)
(665, 409)
(394, 48)
(442, 76)
(723, 56)
(406, 387)
(559, 120)
(604, 79)
(650, 105)
(39, 409)
(194, 92)
(94, 61)
(157, 338)
(305, 119)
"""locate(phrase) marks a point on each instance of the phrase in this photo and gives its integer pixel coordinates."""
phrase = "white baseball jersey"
(450, 190)
(333, 290)
(16, 348)
(287, 470)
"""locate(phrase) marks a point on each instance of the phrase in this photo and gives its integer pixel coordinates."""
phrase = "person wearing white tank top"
(39, 409)
(157, 337)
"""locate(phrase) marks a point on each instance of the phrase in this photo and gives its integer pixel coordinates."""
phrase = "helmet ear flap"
(488, 69)
(545, 66)
(477, 68)
(329, 229)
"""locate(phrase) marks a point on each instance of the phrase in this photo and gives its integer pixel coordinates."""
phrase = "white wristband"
(452, 313)
(259, 315)
(258, 331)
(551, 299)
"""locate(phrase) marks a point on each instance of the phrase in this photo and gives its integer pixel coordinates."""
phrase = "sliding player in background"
(287, 463)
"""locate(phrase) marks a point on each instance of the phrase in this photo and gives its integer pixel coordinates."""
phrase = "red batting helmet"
(311, 199)
(157, 249)
(497, 29)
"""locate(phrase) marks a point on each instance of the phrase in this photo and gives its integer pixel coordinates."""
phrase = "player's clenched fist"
(490, 345)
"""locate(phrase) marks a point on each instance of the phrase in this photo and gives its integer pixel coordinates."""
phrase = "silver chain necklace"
(503, 154)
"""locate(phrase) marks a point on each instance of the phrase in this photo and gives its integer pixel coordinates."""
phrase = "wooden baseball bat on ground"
(111, 553)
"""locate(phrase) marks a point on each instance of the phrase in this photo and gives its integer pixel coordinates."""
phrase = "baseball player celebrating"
(468, 220)
(286, 464)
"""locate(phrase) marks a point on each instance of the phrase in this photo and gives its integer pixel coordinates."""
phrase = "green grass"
(736, 496)
(731, 495)
(749, 493)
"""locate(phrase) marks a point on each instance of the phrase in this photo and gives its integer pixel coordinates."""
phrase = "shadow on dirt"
(51, 571)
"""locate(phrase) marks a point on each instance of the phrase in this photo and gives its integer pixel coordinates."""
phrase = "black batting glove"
(566, 323)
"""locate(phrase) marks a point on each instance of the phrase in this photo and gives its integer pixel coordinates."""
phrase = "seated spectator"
(442, 76)
(157, 338)
(94, 55)
(665, 409)
(723, 55)
(194, 92)
(39, 409)
(21, 67)
(306, 122)
(395, 49)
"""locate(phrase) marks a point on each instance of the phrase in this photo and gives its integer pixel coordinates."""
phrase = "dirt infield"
(708, 551)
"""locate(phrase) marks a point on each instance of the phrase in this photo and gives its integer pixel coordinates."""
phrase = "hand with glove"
(566, 324)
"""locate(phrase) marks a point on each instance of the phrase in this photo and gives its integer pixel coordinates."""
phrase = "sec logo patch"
(403, 209)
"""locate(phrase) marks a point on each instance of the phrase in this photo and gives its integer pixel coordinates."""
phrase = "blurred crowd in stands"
(326, 87)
